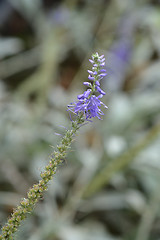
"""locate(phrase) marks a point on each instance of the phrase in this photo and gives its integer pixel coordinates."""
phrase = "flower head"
(89, 102)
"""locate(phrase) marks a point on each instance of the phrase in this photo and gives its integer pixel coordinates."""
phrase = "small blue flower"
(100, 90)
(89, 103)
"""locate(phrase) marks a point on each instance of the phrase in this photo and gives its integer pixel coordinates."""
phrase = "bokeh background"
(108, 188)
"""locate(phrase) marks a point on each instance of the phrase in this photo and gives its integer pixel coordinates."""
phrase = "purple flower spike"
(88, 103)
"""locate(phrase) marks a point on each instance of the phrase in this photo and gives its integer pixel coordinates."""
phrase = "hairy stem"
(36, 192)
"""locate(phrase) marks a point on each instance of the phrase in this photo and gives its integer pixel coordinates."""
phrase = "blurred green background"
(108, 187)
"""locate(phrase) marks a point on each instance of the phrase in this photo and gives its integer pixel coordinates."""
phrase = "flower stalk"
(85, 108)
(36, 192)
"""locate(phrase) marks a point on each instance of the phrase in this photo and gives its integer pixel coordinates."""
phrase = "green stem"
(36, 192)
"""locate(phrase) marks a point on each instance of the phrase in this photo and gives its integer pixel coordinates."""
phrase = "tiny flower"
(97, 83)
(86, 93)
(90, 77)
(102, 74)
(102, 64)
(102, 56)
(80, 96)
(91, 61)
(103, 70)
(100, 90)
(90, 72)
(87, 84)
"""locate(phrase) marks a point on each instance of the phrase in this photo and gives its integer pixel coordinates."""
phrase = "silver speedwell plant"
(87, 107)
